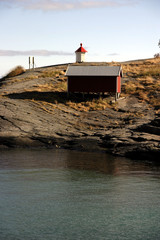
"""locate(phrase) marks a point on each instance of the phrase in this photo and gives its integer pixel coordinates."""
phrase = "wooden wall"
(93, 84)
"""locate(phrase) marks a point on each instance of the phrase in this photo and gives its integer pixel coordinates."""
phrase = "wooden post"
(29, 63)
(115, 96)
(33, 62)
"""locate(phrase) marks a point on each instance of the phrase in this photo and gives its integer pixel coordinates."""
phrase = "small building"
(94, 79)
(80, 54)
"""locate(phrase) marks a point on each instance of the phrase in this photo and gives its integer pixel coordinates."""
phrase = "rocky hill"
(36, 112)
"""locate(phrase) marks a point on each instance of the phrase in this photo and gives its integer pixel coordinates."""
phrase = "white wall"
(80, 57)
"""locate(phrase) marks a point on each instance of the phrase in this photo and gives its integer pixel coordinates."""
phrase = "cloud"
(32, 53)
(63, 5)
(113, 54)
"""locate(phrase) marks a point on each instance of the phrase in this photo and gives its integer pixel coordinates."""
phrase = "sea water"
(68, 195)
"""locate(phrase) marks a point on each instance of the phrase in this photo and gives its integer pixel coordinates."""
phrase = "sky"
(51, 31)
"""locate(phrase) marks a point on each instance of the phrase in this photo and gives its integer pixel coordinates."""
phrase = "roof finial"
(81, 44)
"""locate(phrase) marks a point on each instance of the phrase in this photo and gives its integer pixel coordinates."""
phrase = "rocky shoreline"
(28, 120)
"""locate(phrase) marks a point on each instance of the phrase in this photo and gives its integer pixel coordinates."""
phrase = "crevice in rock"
(5, 119)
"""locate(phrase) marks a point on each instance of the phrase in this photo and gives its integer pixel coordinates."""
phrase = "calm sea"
(67, 195)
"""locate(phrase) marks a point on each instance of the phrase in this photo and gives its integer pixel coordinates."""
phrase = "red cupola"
(81, 49)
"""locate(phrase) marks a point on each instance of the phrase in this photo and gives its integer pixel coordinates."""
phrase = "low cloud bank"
(64, 5)
(113, 54)
(33, 53)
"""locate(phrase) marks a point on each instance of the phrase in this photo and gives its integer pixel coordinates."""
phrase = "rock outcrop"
(27, 119)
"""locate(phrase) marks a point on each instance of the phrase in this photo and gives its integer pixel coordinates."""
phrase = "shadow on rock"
(54, 97)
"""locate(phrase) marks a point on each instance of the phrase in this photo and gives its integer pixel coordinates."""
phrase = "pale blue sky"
(110, 30)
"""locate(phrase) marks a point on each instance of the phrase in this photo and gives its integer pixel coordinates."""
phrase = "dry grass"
(19, 80)
(91, 105)
(60, 86)
(15, 72)
(51, 87)
(59, 101)
(153, 71)
(146, 90)
(43, 87)
(51, 73)
(143, 81)
(144, 68)
(47, 107)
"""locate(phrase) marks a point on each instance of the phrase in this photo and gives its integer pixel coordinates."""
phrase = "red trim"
(118, 84)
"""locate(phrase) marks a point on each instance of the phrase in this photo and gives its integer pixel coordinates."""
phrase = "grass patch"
(146, 90)
(143, 81)
(15, 72)
(91, 105)
(51, 87)
(51, 73)
(153, 71)
(142, 68)
(60, 86)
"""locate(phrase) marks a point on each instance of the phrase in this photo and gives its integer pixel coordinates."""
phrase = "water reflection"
(58, 194)
(54, 159)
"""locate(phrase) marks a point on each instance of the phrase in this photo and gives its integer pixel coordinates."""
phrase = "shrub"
(15, 72)
(157, 55)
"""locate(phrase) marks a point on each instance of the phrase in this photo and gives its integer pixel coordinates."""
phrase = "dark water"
(65, 195)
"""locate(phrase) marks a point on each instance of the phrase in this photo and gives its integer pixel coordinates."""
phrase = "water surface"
(65, 195)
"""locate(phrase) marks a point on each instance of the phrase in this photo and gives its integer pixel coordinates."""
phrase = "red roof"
(81, 49)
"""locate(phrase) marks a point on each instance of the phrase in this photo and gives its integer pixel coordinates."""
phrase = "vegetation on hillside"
(141, 79)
